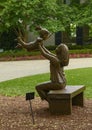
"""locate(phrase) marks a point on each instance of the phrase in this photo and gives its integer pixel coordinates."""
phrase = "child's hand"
(40, 41)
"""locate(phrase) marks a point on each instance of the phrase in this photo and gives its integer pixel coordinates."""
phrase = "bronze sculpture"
(57, 63)
(44, 34)
(57, 76)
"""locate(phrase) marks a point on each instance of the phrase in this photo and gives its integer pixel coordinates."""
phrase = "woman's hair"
(63, 54)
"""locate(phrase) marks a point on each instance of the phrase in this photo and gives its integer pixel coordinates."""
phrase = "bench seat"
(61, 101)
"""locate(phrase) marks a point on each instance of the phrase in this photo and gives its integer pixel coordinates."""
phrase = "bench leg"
(60, 106)
(78, 100)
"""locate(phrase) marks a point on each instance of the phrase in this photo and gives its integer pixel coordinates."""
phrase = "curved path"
(15, 69)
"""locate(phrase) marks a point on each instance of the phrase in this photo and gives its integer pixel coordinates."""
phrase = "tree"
(20, 15)
(24, 15)
(83, 13)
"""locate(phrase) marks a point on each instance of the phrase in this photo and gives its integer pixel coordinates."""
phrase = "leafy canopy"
(52, 14)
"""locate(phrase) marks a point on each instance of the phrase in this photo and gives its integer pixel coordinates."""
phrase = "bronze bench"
(61, 101)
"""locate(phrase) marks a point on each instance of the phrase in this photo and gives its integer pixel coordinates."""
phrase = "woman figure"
(57, 63)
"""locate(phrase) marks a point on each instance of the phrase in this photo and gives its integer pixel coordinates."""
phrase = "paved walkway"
(15, 69)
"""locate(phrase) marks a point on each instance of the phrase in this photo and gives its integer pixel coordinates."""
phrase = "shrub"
(7, 41)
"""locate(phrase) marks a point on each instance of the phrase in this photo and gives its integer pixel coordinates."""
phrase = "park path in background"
(15, 69)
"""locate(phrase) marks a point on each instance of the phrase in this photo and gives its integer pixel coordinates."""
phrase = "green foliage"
(47, 13)
(78, 47)
(75, 49)
(24, 15)
(33, 13)
(21, 86)
(84, 13)
(18, 53)
(82, 51)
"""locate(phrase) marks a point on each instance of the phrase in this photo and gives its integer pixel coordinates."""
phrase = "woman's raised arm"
(47, 54)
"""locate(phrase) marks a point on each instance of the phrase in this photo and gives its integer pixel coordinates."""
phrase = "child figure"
(43, 33)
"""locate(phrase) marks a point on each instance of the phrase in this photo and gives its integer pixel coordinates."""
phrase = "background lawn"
(21, 86)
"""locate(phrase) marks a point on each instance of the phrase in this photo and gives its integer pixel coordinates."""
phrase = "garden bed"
(38, 57)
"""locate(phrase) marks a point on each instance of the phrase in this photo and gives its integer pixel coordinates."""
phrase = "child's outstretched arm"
(29, 46)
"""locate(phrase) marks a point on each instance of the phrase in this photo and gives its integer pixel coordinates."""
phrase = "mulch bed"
(15, 115)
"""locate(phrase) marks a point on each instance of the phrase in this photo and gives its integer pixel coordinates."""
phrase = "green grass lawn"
(21, 86)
